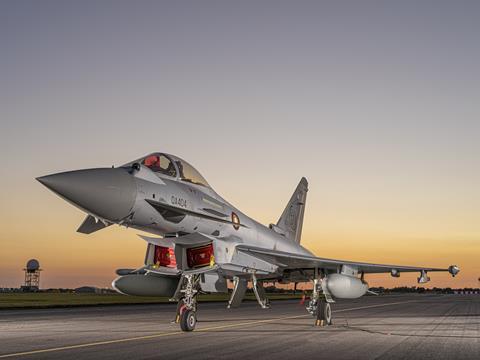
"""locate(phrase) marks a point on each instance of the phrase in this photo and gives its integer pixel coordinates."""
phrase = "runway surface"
(383, 327)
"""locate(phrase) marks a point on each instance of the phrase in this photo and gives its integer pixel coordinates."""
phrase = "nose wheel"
(187, 305)
(188, 320)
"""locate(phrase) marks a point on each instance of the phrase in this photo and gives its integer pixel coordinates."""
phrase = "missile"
(395, 273)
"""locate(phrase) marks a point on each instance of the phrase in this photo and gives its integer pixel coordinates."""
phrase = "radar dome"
(33, 265)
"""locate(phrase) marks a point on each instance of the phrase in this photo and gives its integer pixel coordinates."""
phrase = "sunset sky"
(377, 104)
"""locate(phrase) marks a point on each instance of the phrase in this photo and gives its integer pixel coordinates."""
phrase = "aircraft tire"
(328, 314)
(188, 320)
(324, 313)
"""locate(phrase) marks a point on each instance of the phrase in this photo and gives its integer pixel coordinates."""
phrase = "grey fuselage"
(202, 200)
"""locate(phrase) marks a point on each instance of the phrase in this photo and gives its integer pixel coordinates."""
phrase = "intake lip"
(108, 193)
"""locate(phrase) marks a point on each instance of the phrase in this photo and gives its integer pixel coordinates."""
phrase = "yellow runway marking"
(155, 336)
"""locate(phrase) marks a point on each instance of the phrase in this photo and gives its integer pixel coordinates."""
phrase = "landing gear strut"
(319, 305)
(187, 305)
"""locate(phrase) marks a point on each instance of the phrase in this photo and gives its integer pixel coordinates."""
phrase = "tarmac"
(373, 327)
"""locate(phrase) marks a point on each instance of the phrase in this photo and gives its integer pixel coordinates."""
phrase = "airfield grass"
(48, 300)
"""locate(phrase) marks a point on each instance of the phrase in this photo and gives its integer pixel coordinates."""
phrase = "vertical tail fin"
(291, 220)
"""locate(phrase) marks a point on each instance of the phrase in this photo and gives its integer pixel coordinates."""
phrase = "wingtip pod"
(453, 270)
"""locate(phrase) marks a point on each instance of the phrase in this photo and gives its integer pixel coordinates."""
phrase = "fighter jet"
(201, 241)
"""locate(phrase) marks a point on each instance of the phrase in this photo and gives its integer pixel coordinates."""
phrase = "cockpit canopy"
(173, 166)
(160, 163)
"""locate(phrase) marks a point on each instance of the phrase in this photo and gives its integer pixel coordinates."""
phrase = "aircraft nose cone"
(108, 193)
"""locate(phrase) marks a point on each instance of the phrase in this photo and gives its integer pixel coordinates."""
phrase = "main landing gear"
(187, 290)
(319, 305)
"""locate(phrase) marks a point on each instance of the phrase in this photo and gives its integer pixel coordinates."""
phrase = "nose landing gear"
(187, 305)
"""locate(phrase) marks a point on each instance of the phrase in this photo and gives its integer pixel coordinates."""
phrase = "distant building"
(93, 290)
(9, 290)
(87, 290)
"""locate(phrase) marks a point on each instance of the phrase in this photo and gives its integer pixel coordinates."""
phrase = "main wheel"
(324, 314)
(188, 320)
(328, 313)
